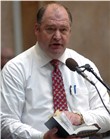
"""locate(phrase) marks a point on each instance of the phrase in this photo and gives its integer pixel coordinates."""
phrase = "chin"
(56, 55)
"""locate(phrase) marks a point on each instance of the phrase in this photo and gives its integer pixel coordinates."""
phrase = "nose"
(57, 35)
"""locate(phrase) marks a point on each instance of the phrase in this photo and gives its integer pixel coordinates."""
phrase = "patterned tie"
(59, 96)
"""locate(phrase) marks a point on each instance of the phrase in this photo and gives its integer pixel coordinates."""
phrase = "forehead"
(56, 13)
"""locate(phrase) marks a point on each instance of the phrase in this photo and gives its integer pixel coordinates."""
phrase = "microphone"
(73, 66)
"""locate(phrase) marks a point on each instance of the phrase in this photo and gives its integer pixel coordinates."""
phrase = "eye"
(64, 30)
(50, 30)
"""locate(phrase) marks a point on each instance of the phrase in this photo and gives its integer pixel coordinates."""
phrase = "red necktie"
(59, 95)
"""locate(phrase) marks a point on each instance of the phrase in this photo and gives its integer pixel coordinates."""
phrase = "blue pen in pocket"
(74, 89)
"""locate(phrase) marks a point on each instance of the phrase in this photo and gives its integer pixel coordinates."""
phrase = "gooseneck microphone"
(73, 66)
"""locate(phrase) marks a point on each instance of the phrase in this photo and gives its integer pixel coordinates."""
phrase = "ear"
(70, 33)
(36, 28)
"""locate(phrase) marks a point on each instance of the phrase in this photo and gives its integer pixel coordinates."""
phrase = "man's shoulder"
(73, 53)
(79, 58)
(22, 60)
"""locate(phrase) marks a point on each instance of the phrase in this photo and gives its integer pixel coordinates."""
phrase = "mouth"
(56, 45)
(56, 49)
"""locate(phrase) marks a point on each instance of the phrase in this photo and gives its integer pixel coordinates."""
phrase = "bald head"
(53, 10)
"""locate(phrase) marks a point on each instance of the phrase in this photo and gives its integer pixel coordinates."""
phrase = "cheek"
(44, 37)
(44, 41)
(66, 39)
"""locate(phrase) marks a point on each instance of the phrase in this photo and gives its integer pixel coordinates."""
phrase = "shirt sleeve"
(12, 103)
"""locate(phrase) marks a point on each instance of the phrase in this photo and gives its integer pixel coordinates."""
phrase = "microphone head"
(71, 64)
(87, 66)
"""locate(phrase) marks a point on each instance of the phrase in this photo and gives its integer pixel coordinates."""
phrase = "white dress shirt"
(27, 100)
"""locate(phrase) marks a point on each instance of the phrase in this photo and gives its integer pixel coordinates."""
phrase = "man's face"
(54, 31)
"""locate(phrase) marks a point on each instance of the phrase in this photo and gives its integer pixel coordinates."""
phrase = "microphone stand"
(88, 68)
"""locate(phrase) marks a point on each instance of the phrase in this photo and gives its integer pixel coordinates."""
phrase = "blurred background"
(90, 29)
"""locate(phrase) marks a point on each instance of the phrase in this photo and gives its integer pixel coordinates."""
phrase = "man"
(27, 99)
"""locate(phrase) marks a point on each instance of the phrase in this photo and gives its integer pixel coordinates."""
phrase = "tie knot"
(55, 63)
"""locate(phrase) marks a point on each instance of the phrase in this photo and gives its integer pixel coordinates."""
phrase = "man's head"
(53, 29)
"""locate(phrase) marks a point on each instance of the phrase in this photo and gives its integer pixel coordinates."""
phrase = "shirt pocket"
(78, 99)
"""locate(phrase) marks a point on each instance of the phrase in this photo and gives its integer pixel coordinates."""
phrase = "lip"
(55, 46)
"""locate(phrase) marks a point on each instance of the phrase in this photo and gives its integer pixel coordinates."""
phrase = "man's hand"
(75, 118)
(51, 134)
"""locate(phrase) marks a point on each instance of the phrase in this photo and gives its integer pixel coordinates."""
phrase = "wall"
(6, 25)
(90, 29)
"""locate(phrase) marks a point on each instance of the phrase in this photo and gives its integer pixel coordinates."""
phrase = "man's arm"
(12, 103)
